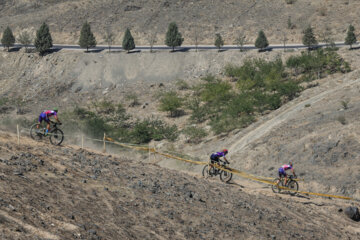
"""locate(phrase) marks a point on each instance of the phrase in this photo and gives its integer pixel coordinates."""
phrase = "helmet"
(55, 109)
(225, 151)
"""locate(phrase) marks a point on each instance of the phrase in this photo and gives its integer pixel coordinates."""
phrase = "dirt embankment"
(65, 192)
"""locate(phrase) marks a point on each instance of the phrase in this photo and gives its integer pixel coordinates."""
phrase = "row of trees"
(43, 40)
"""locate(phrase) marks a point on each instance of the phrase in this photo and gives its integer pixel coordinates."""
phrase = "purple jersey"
(219, 154)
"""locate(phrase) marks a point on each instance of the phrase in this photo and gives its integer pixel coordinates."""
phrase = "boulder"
(353, 213)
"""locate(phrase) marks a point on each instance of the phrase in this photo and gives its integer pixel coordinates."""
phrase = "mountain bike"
(55, 134)
(225, 176)
(291, 186)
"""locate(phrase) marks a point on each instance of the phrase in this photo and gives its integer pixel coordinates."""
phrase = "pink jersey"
(286, 167)
(50, 113)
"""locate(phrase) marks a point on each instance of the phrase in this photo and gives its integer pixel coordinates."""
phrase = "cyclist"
(283, 169)
(45, 116)
(215, 157)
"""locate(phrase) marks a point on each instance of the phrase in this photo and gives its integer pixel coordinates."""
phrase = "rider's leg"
(39, 121)
(281, 173)
(47, 126)
(285, 179)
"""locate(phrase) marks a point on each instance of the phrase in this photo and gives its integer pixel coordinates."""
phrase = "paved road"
(180, 49)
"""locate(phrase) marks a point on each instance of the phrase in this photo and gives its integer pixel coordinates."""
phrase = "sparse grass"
(307, 105)
(104, 107)
(3, 101)
(133, 98)
(345, 104)
(290, 1)
(322, 10)
(182, 85)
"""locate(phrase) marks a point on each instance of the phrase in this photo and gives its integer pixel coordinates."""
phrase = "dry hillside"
(69, 193)
(228, 17)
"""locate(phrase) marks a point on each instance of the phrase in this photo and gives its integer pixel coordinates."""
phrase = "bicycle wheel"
(277, 184)
(35, 133)
(56, 136)
(206, 173)
(225, 176)
(294, 186)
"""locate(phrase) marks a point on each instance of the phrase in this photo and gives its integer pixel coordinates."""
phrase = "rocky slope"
(69, 193)
(228, 17)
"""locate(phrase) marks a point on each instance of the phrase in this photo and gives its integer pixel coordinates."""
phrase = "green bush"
(317, 63)
(146, 130)
(194, 134)
(216, 92)
(171, 102)
(199, 112)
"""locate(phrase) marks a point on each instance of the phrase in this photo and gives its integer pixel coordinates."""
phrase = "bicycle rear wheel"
(35, 133)
(206, 173)
(56, 136)
(277, 184)
(294, 186)
(225, 176)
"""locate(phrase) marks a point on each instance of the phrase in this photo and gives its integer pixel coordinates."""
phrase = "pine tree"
(219, 42)
(261, 41)
(128, 41)
(43, 41)
(309, 39)
(350, 37)
(8, 38)
(87, 39)
(173, 36)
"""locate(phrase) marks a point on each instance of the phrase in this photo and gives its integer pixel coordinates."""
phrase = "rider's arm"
(57, 119)
(226, 160)
(293, 172)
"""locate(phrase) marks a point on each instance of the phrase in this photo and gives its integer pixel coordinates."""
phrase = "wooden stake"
(104, 143)
(82, 141)
(18, 134)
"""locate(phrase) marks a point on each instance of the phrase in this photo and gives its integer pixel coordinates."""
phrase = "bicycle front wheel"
(225, 176)
(294, 186)
(35, 133)
(56, 136)
(277, 184)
